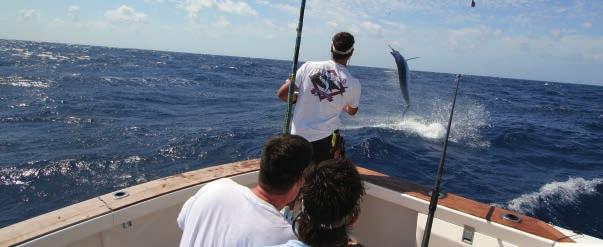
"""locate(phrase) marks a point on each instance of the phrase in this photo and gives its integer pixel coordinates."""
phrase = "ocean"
(79, 121)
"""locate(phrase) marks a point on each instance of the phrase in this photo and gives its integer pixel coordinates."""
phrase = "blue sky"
(528, 39)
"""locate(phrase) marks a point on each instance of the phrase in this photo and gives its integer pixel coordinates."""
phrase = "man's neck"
(343, 62)
(277, 201)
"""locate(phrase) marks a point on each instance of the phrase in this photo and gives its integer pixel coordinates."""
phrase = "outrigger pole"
(287, 125)
(433, 204)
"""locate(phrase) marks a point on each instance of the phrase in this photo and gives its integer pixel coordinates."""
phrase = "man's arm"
(350, 110)
(352, 98)
(283, 92)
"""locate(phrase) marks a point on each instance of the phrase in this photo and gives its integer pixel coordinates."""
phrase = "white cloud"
(193, 7)
(473, 38)
(30, 14)
(125, 14)
(222, 22)
(371, 26)
(524, 47)
(74, 12)
(587, 25)
(289, 8)
(332, 24)
(556, 33)
(394, 26)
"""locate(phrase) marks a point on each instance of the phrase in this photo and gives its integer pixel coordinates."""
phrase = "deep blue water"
(79, 121)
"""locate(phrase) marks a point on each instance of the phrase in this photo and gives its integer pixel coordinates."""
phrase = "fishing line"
(435, 193)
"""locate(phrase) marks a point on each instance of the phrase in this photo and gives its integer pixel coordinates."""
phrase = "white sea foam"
(133, 159)
(24, 54)
(111, 78)
(19, 105)
(12, 176)
(51, 56)
(17, 81)
(413, 124)
(466, 124)
(564, 193)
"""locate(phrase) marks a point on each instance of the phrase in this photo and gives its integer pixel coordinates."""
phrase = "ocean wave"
(25, 176)
(28, 119)
(133, 159)
(50, 56)
(22, 53)
(81, 171)
(558, 193)
(196, 147)
(21, 105)
(77, 120)
(17, 81)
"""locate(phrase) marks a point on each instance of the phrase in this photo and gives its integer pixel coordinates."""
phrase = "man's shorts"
(330, 147)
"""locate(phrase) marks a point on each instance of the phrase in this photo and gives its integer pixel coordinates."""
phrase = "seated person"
(225, 213)
(331, 195)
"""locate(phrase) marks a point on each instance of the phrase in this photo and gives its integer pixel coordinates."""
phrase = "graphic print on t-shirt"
(327, 84)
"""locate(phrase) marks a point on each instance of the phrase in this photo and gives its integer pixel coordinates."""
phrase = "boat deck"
(82, 220)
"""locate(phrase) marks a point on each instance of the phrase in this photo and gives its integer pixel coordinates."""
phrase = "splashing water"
(563, 193)
(467, 121)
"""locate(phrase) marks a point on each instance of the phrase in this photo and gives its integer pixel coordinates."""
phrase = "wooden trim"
(68, 216)
(52, 221)
(481, 210)
(80, 212)
(162, 186)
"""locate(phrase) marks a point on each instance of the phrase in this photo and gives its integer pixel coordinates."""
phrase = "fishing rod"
(433, 203)
(287, 125)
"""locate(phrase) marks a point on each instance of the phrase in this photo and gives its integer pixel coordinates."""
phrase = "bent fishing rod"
(287, 125)
(433, 203)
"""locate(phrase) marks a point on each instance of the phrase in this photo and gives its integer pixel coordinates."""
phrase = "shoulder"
(223, 181)
(292, 243)
(314, 64)
(222, 185)
(353, 81)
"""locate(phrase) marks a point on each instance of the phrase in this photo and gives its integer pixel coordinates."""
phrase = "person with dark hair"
(325, 89)
(331, 194)
(225, 213)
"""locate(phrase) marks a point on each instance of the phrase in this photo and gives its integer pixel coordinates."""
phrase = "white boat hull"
(393, 214)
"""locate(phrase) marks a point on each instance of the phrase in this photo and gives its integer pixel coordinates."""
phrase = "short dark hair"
(284, 159)
(342, 41)
(331, 193)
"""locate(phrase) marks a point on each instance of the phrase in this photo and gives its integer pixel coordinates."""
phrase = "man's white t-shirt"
(324, 89)
(224, 213)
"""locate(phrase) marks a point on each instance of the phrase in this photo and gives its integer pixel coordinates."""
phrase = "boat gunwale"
(63, 218)
(71, 215)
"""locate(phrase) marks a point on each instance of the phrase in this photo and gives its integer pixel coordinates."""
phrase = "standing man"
(225, 213)
(325, 90)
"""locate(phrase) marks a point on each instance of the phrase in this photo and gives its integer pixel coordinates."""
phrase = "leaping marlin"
(403, 75)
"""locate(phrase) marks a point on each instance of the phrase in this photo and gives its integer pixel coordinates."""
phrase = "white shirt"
(224, 213)
(324, 89)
